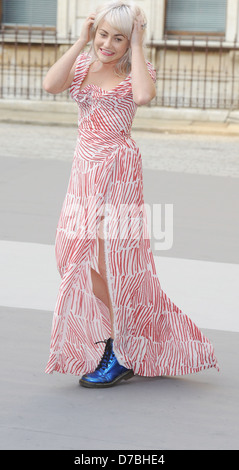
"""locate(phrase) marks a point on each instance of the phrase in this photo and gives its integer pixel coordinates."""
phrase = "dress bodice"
(106, 110)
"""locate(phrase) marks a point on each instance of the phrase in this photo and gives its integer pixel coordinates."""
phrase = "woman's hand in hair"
(86, 31)
(61, 74)
(138, 32)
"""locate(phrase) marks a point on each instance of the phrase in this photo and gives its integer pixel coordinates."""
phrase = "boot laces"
(106, 356)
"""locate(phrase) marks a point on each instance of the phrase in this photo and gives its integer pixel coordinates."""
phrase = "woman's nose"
(107, 42)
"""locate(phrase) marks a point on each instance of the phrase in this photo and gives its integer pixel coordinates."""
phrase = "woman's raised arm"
(143, 87)
(60, 76)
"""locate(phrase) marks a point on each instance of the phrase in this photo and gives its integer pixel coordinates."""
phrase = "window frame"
(25, 32)
(11, 27)
(190, 34)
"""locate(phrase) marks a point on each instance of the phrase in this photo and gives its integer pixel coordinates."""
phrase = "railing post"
(178, 70)
(29, 61)
(164, 69)
(233, 73)
(219, 74)
(15, 60)
(2, 61)
(205, 75)
(42, 61)
(192, 73)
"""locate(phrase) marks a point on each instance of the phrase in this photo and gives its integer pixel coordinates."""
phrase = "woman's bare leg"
(99, 287)
(100, 290)
(100, 283)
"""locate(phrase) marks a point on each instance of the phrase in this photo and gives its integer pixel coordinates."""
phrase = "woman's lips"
(104, 52)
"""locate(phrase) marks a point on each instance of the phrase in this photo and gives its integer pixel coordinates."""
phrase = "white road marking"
(206, 291)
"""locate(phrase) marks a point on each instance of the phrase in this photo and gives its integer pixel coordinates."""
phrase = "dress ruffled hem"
(167, 359)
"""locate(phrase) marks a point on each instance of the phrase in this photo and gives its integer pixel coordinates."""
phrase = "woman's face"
(110, 44)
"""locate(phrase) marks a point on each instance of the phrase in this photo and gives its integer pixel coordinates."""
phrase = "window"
(196, 16)
(30, 12)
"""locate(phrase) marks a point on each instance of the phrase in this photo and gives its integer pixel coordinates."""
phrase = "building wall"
(207, 66)
(72, 13)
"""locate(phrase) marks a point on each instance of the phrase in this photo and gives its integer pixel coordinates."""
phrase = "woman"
(110, 303)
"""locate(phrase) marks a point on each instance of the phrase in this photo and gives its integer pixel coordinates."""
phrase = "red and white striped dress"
(152, 335)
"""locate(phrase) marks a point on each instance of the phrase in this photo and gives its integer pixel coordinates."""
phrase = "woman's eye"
(104, 36)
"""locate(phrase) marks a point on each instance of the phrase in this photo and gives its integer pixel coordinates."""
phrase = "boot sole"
(125, 376)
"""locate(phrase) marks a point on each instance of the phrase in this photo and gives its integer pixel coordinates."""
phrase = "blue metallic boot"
(109, 372)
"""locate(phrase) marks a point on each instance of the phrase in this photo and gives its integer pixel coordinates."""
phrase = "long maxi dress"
(152, 335)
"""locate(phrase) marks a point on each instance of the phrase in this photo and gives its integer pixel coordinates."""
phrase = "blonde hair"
(120, 15)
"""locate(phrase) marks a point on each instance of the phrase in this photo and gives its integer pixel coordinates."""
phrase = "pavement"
(197, 174)
(151, 119)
